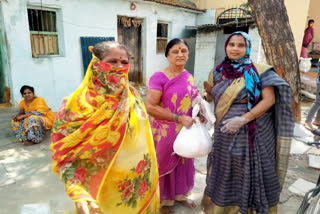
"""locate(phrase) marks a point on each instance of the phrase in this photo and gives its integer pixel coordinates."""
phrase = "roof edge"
(176, 5)
(248, 22)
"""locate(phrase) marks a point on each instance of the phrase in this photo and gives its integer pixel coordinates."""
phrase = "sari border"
(177, 198)
(209, 207)
(282, 157)
(146, 205)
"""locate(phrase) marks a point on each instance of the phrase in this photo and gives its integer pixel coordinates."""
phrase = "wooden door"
(129, 34)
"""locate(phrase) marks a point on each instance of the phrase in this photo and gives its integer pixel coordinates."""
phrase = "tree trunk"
(278, 43)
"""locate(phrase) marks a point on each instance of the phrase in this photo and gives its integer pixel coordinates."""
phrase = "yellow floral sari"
(102, 144)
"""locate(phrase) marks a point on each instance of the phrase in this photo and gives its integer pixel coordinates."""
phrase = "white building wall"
(57, 76)
(205, 55)
(177, 20)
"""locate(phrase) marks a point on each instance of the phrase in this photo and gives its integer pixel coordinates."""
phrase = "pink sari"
(307, 41)
(176, 173)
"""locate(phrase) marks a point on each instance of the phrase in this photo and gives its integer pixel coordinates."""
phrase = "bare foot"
(316, 123)
(166, 210)
(189, 203)
(28, 143)
(308, 125)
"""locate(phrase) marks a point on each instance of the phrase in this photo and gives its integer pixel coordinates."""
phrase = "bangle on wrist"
(176, 118)
(253, 115)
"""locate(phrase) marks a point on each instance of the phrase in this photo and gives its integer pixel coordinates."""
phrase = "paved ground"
(26, 177)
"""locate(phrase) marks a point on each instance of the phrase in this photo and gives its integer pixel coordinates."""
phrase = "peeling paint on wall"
(4, 89)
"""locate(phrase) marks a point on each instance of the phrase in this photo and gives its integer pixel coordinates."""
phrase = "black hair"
(310, 21)
(23, 88)
(174, 42)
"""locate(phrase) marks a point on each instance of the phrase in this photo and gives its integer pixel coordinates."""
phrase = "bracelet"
(176, 118)
(254, 116)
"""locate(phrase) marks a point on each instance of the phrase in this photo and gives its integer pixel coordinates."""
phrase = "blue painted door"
(85, 43)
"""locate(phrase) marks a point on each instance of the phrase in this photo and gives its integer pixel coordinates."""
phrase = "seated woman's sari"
(176, 173)
(102, 144)
(33, 127)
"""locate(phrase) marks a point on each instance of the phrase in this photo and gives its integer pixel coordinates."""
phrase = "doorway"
(129, 34)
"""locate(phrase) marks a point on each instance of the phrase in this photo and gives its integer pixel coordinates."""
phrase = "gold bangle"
(254, 116)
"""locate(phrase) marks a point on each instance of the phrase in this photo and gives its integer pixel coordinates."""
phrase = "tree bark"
(278, 43)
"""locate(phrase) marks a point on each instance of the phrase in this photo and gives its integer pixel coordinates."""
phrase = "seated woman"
(33, 119)
(102, 142)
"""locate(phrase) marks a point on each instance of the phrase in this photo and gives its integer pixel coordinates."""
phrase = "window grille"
(162, 37)
(234, 15)
(43, 32)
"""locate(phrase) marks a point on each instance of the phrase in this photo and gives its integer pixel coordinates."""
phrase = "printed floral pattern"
(185, 104)
(159, 131)
(110, 82)
(134, 189)
(30, 128)
(80, 171)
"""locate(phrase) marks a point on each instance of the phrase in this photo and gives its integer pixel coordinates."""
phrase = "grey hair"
(101, 49)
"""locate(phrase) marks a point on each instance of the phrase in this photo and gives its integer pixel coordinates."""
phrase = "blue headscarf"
(243, 67)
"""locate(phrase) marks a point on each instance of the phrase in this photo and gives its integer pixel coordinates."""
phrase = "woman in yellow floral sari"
(102, 142)
(33, 119)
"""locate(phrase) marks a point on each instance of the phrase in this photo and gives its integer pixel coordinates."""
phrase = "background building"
(45, 43)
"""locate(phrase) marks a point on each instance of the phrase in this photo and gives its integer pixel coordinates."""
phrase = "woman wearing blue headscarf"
(253, 131)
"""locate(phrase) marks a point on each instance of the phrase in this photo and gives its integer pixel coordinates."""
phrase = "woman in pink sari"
(307, 39)
(169, 104)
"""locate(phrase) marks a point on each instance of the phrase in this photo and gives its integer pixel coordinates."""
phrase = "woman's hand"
(207, 87)
(87, 207)
(14, 118)
(202, 119)
(185, 120)
(22, 116)
(232, 125)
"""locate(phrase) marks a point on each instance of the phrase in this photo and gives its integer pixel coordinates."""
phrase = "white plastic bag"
(205, 109)
(305, 64)
(193, 142)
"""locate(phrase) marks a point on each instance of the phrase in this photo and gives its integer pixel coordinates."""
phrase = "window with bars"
(43, 32)
(162, 37)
